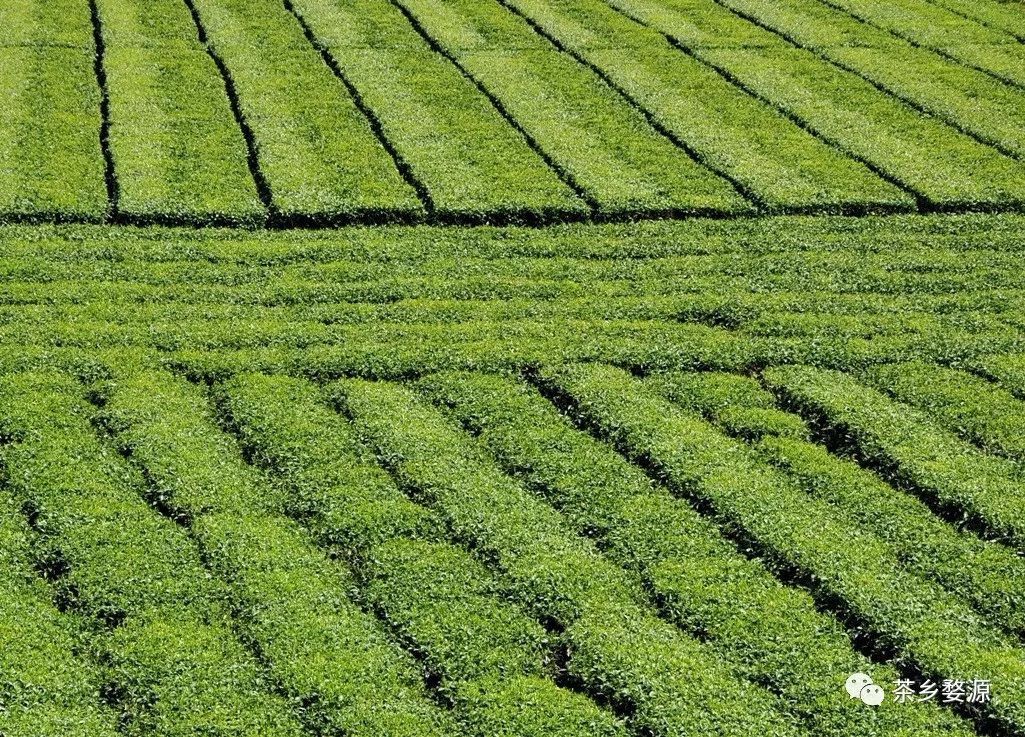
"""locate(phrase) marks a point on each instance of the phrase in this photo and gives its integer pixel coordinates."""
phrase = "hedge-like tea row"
(746, 240)
(487, 652)
(946, 168)
(131, 24)
(972, 407)
(46, 22)
(307, 144)
(178, 154)
(47, 687)
(987, 574)
(174, 664)
(473, 165)
(872, 264)
(729, 130)
(910, 447)
(970, 100)
(603, 144)
(694, 23)
(771, 633)
(291, 600)
(585, 128)
(996, 14)
(671, 684)
(1008, 370)
(51, 99)
(947, 27)
(491, 661)
(177, 151)
(737, 404)
(849, 568)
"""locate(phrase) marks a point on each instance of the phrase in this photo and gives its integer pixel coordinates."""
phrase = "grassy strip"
(670, 683)
(175, 666)
(971, 101)
(898, 614)
(291, 600)
(987, 574)
(967, 405)
(771, 633)
(178, 154)
(491, 661)
(47, 687)
(911, 448)
(947, 169)
(781, 166)
(51, 99)
(306, 144)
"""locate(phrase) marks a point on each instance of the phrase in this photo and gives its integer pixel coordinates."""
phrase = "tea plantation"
(512, 368)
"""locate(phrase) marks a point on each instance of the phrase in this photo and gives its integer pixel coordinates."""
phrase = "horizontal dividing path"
(52, 165)
(669, 683)
(986, 109)
(492, 662)
(773, 161)
(852, 571)
(770, 632)
(316, 155)
(49, 688)
(912, 448)
(172, 659)
(177, 152)
(987, 574)
(289, 599)
(585, 129)
(946, 169)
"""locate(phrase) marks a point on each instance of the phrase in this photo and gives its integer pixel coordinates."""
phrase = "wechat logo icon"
(860, 686)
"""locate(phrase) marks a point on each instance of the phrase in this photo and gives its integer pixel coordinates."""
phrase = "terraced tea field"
(512, 368)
